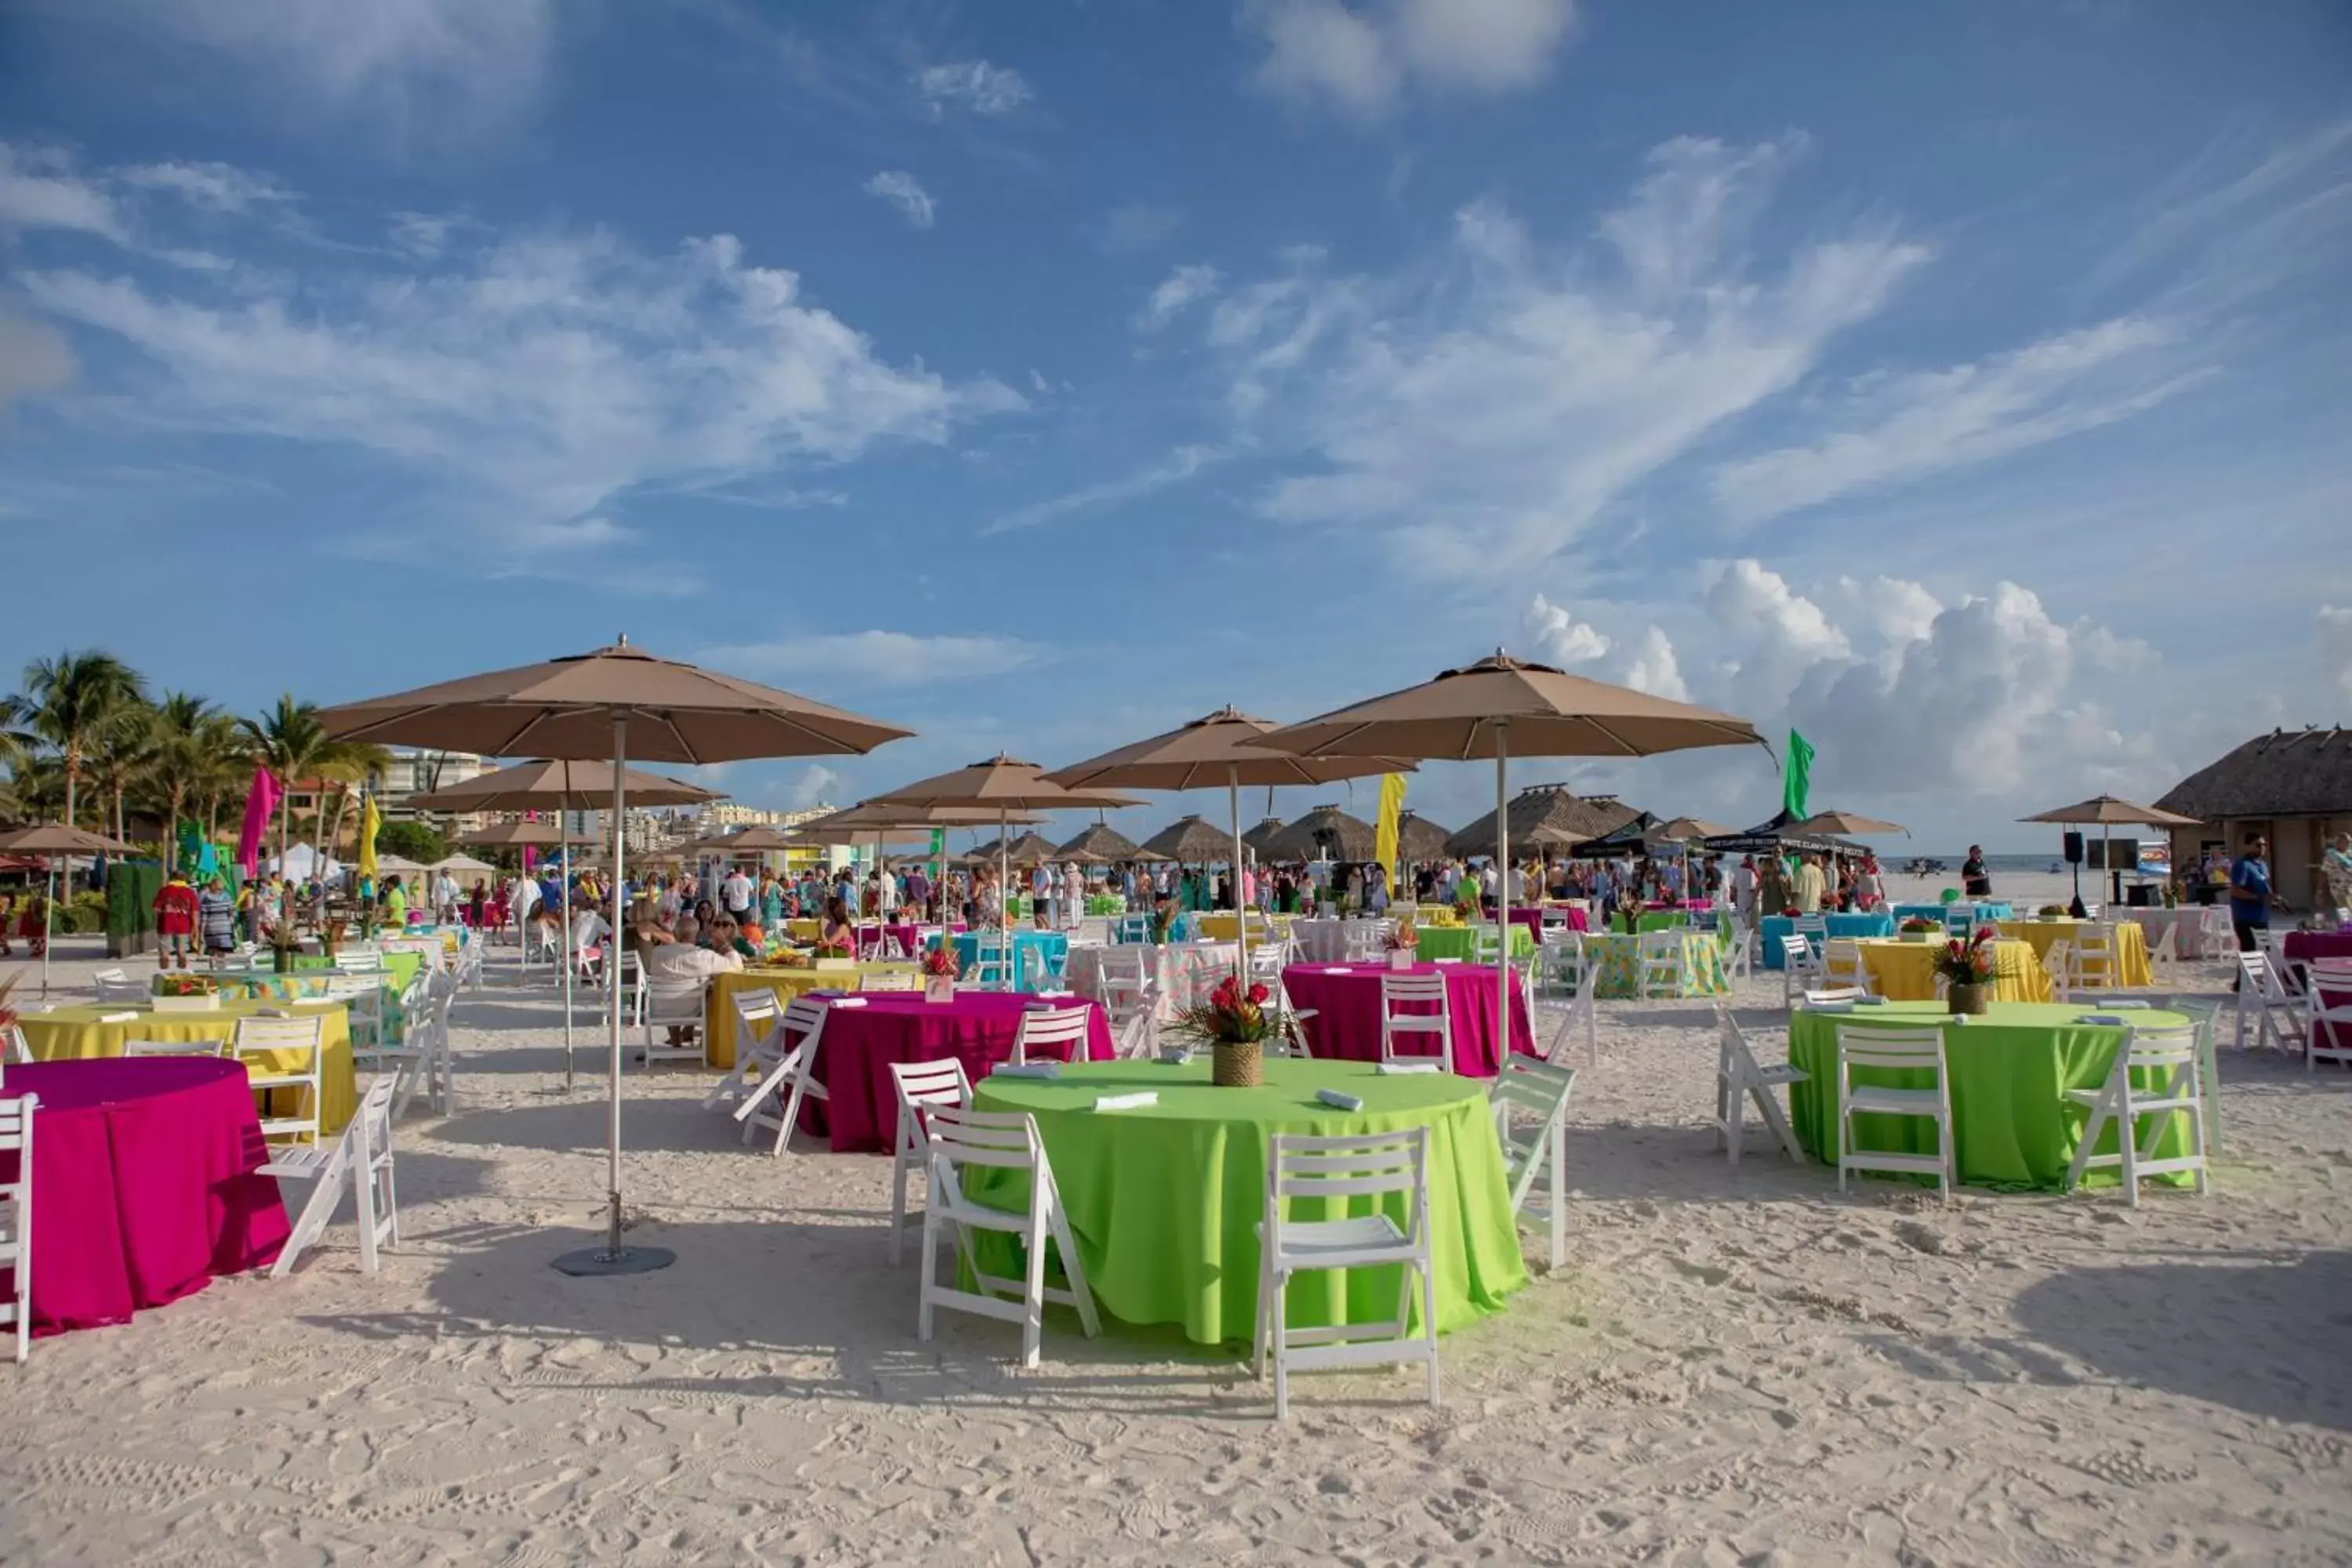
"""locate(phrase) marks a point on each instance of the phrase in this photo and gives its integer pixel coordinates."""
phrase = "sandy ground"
(1736, 1367)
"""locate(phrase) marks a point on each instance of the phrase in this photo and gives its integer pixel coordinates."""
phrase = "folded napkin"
(1174, 1056)
(2119, 1004)
(1828, 1007)
(1343, 1100)
(1339, 969)
(1393, 1069)
(118, 1017)
(846, 1002)
(1030, 1069)
(1127, 1102)
(1871, 1001)
(2106, 1018)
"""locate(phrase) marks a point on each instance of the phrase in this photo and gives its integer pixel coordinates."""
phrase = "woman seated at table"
(727, 936)
(834, 929)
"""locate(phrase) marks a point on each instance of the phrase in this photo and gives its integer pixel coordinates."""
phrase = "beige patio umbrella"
(1217, 749)
(557, 784)
(49, 840)
(1489, 708)
(2106, 811)
(1847, 825)
(610, 703)
(1005, 784)
(507, 834)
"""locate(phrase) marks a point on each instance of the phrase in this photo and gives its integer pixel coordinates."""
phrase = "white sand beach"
(1736, 1366)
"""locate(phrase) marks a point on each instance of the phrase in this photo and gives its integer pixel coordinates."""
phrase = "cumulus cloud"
(1487, 412)
(1179, 289)
(1361, 58)
(2336, 645)
(1896, 429)
(973, 85)
(1558, 637)
(813, 787)
(1746, 595)
(900, 190)
(1652, 668)
(880, 658)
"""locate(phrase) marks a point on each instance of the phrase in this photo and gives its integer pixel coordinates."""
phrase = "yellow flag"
(370, 820)
(1384, 840)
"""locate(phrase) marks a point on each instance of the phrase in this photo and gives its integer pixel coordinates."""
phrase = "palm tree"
(291, 743)
(68, 704)
(119, 755)
(194, 746)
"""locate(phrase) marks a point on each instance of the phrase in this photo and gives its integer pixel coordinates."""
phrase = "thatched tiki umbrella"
(1326, 832)
(1482, 711)
(49, 840)
(1027, 849)
(1548, 814)
(1189, 841)
(558, 784)
(1102, 844)
(606, 703)
(1258, 838)
(1418, 839)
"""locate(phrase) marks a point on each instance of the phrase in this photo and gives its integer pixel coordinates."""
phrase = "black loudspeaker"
(2074, 849)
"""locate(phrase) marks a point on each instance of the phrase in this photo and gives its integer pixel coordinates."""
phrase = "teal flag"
(1797, 777)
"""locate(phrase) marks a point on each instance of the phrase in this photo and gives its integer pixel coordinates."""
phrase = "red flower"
(1257, 993)
(1954, 947)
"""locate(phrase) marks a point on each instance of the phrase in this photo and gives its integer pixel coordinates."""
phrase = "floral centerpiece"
(330, 936)
(1233, 1024)
(1918, 928)
(939, 972)
(2052, 911)
(184, 992)
(1401, 942)
(832, 955)
(1969, 967)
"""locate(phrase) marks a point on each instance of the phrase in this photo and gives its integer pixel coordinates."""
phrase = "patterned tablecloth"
(1188, 971)
(1616, 966)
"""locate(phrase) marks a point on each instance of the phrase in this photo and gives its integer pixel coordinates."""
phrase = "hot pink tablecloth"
(1346, 1001)
(144, 1185)
(861, 1042)
(1534, 918)
(2302, 947)
(869, 937)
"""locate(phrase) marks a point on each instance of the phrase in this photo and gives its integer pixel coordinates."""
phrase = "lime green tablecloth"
(401, 966)
(1165, 1200)
(1435, 943)
(2009, 1070)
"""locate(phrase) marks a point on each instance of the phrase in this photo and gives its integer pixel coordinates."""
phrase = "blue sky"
(1965, 384)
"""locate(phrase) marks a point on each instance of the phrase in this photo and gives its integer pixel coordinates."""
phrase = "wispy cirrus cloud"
(1178, 467)
(900, 189)
(973, 85)
(880, 657)
(1182, 287)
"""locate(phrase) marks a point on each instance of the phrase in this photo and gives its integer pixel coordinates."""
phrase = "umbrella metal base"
(592, 1262)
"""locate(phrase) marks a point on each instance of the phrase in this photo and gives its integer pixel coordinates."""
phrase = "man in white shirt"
(885, 893)
(735, 892)
(522, 898)
(1074, 893)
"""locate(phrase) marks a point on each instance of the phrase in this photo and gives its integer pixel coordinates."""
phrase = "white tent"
(397, 865)
(301, 863)
(463, 865)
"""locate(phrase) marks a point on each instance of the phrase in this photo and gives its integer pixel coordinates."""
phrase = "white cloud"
(1745, 595)
(1181, 289)
(539, 380)
(1898, 610)
(42, 190)
(1902, 428)
(1132, 226)
(1653, 668)
(1359, 58)
(898, 188)
(2336, 645)
(880, 658)
(1487, 412)
(435, 66)
(34, 358)
(975, 85)
(1178, 467)
(2245, 220)
(1559, 638)
(813, 787)
(219, 187)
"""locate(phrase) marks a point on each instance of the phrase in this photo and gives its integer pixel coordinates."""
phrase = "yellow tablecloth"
(74, 1033)
(1906, 970)
(2131, 944)
(1213, 927)
(801, 930)
(718, 1007)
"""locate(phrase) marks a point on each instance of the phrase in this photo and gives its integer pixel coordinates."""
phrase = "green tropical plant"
(68, 704)
(119, 755)
(411, 840)
(192, 755)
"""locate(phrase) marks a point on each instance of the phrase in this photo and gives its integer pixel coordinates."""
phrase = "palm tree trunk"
(171, 833)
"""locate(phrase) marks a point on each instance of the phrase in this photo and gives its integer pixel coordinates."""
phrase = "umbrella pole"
(48, 918)
(563, 883)
(1010, 959)
(1241, 908)
(1502, 900)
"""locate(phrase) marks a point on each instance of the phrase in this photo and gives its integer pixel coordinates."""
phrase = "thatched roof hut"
(1258, 838)
(1326, 833)
(2294, 786)
(1026, 850)
(1102, 844)
(1550, 806)
(1193, 841)
(1418, 839)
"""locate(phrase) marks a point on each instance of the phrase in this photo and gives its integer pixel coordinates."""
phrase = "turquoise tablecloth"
(2008, 1068)
(1039, 956)
(1985, 908)
(1775, 927)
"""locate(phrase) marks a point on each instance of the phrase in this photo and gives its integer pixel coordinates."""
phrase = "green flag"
(1797, 777)
(939, 842)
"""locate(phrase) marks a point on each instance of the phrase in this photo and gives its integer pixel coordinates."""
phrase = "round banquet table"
(1773, 928)
(1039, 957)
(83, 1033)
(865, 1036)
(1460, 943)
(1986, 910)
(2131, 945)
(1215, 926)
(268, 988)
(1165, 1199)
(718, 1000)
(1616, 960)
(1906, 970)
(145, 1185)
(1188, 971)
(1571, 918)
(2192, 938)
(1346, 1001)
(2009, 1071)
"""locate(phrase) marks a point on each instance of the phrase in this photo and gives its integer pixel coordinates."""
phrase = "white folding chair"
(2164, 956)
(1740, 1078)
(363, 1151)
(2264, 1004)
(1842, 965)
(17, 1118)
(958, 1137)
(359, 960)
(2327, 1034)
(793, 1077)
(1123, 971)
(673, 1001)
(2058, 964)
(1901, 1050)
(1560, 960)
(1371, 1166)
(758, 1045)
(262, 1045)
(362, 995)
(1486, 944)
(2167, 1062)
(1830, 996)
(1411, 989)
(1799, 965)
(1814, 929)
(174, 1047)
(112, 985)
(993, 960)
(1659, 955)
(13, 1051)
(919, 1086)
(2095, 966)
(1137, 1038)
(1738, 950)
(629, 975)
(1049, 1027)
(1534, 1145)
(1582, 1017)
(888, 984)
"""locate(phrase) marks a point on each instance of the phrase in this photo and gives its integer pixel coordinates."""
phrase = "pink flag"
(260, 805)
